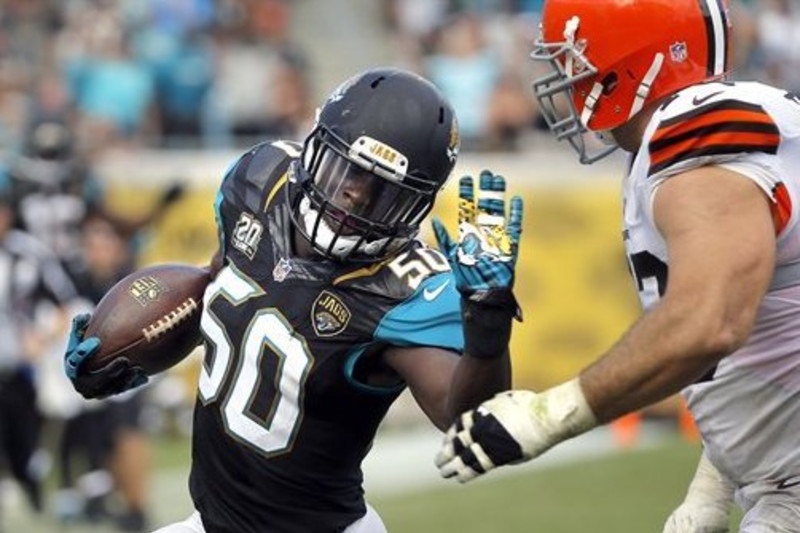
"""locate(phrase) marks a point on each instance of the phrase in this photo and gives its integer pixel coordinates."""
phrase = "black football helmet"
(383, 145)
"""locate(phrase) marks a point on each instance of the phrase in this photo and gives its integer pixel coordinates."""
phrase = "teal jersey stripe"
(431, 316)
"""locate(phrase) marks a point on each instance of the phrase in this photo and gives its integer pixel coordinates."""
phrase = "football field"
(587, 485)
(625, 492)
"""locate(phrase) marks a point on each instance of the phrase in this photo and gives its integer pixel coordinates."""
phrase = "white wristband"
(709, 487)
(567, 411)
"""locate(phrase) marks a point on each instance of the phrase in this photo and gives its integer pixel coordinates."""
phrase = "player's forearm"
(485, 367)
(474, 381)
(665, 351)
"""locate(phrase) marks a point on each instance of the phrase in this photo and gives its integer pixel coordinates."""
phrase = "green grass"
(631, 492)
(628, 492)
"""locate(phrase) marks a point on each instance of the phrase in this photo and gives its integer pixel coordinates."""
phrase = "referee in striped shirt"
(29, 273)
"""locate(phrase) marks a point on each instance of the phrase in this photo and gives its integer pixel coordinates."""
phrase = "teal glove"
(486, 254)
(117, 376)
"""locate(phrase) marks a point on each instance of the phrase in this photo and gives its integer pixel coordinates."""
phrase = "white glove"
(513, 427)
(706, 508)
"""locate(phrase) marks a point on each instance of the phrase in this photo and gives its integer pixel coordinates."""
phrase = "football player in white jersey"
(712, 237)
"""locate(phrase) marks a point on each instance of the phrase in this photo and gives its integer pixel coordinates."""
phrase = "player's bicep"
(720, 236)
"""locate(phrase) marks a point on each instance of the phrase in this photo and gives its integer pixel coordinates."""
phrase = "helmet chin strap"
(591, 104)
(642, 92)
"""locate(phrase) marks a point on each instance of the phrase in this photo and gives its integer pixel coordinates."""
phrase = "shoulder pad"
(707, 123)
(398, 277)
(257, 172)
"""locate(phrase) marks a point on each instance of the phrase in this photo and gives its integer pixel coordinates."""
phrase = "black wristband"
(487, 317)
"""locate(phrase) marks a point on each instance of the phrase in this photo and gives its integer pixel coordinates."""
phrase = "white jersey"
(748, 410)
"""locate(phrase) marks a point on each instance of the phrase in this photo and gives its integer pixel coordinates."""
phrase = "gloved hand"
(117, 376)
(172, 194)
(707, 506)
(486, 252)
(482, 262)
(513, 427)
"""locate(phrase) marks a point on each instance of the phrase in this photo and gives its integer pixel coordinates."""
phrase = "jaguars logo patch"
(146, 289)
(454, 142)
(329, 315)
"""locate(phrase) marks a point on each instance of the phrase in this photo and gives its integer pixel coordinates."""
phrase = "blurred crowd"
(222, 73)
(150, 72)
(81, 77)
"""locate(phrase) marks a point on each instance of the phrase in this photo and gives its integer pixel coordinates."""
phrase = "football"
(152, 317)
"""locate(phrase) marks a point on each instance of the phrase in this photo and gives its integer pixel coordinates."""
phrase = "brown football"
(152, 317)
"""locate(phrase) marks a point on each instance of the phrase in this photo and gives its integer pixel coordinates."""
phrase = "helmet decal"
(370, 150)
(679, 52)
(339, 92)
(454, 145)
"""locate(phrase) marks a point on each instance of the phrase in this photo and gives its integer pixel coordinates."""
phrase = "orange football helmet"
(610, 58)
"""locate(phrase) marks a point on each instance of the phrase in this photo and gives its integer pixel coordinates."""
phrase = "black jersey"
(51, 199)
(284, 416)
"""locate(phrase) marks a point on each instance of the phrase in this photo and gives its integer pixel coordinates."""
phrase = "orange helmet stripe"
(715, 16)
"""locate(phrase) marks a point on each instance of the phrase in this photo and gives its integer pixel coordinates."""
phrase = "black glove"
(117, 376)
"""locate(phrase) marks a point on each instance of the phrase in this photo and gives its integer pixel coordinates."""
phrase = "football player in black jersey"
(324, 307)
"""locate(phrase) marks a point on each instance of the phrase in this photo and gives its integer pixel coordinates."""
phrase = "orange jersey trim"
(725, 127)
(781, 208)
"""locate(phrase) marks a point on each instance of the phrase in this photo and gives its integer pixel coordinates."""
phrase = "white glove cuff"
(568, 412)
(709, 487)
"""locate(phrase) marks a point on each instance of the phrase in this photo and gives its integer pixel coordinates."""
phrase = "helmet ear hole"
(610, 83)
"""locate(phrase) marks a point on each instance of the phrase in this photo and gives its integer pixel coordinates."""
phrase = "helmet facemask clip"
(568, 66)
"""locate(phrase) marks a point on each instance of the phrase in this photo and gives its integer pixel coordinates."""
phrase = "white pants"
(768, 510)
(369, 523)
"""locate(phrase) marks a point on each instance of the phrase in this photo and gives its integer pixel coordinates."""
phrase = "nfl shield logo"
(679, 52)
(281, 270)
(146, 289)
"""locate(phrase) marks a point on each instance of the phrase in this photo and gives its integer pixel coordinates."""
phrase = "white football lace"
(170, 320)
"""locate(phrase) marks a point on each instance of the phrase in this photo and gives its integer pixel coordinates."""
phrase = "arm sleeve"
(431, 316)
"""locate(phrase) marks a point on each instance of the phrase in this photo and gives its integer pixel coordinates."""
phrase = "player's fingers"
(136, 379)
(79, 323)
(71, 365)
(87, 347)
(514, 228)
(443, 240)
(466, 200)
(76, 357)
(467, 474)
(474, 459)
(491, 200)
(491, 193)
(483, 458)
(446, 453)
(452, 468)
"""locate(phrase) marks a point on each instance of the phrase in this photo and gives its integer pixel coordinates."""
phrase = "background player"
(710, 229)
(324, 308)
(29, 275)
